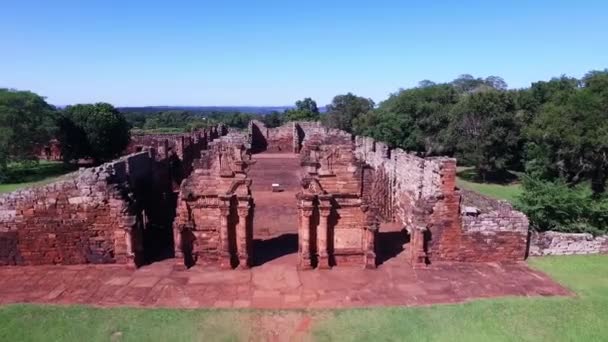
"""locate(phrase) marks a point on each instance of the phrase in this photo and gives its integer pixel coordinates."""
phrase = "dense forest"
(553, 133)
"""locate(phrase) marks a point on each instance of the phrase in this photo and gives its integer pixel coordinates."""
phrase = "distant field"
(508, 191)
(27, 175)
(578, 318)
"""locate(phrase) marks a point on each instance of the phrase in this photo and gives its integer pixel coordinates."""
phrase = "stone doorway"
(153, 232)
(275, 221)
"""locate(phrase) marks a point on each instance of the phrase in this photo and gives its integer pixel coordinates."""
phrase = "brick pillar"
(224, 250)
(417, 253)
(322, 253)
(242, 243)
(370, 246)
(304, 262)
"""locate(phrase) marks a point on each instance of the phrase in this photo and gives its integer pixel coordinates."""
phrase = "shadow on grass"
(470, 174)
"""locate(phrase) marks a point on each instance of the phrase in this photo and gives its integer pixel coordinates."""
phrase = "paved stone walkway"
(273, 285)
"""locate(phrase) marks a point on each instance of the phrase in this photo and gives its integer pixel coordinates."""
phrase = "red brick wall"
(496, 233)
(274, 140)
(79, 219)
(423, 196)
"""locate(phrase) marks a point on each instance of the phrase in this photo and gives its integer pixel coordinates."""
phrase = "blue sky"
(276, 52)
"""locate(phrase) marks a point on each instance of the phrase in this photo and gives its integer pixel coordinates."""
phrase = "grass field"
(26, 175)
(579, 318)
(508, 190)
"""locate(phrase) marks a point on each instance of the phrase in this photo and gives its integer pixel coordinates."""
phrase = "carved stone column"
(224, 248)
(370, 246)
(304, 262)
(242, 243)
(322, 242)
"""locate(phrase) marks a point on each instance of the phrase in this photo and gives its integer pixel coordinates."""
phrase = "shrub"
(559, 207)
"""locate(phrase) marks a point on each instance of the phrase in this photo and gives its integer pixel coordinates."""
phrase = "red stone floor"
(275, 213)
(275, 283)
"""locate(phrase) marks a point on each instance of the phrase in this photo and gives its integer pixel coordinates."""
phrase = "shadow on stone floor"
(269, 249)
(390, 244)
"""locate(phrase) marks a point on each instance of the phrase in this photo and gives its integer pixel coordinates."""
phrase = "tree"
(485, 132)
(98, 131)
(426, 83)
(26, 123)
(496, 82)
(468, 84)
(413, 119)
(569, 137)
(274, 119)
(306, 110)
(344, 109)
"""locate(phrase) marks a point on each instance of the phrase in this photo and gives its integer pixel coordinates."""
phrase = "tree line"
(555, 132)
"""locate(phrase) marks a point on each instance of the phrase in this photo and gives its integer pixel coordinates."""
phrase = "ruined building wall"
(105, 214)
(557, 243)
(424, 198)
(276, 139)
(334, 222)
(50, 151)
(82, 218)
(212, 226)
(179, 149)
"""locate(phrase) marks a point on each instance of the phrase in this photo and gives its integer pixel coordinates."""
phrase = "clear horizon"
(272, 53)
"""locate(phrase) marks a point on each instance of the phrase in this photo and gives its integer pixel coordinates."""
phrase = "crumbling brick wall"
(333, 186)
(557, 243)
(180, 150)
(213, 222)
(276, 139)
(50, 151)
(424, 198)
(82, 218)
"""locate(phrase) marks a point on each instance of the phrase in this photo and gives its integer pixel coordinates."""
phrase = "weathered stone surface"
(212, 225)
(555, 243)
(421, 194)
(95, 215)
(349, 185)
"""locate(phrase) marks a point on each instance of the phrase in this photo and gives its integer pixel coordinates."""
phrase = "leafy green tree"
(468, 84)
(26, 123)
(237, 120)
(97, 131)
(306, 110)
(569, 137)
(344, 109)
(426, 83)
(485, 132)
(274, 119)
(413, 119)
(496, 82)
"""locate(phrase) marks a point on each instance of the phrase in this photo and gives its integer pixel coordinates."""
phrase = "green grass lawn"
(579, 318)
(26, 175)
(508, 190)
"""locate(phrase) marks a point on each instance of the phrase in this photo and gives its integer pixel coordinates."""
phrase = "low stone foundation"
(555, 243)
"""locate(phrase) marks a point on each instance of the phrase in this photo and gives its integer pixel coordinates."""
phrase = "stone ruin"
(189, 197)
(119, 212)
(349, 186)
